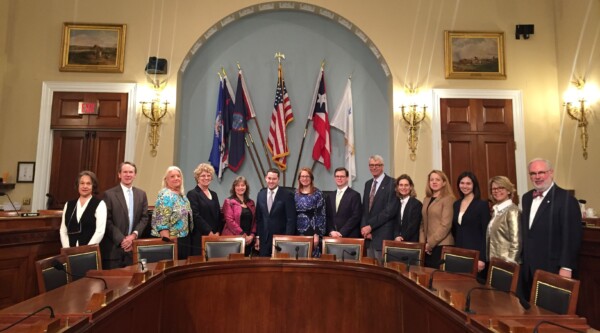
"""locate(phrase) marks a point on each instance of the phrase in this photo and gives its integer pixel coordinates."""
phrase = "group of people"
(546, 234)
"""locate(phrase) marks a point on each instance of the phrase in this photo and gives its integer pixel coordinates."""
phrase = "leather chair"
(554, 292)
(503, 275)
(48, 277)
(458, 260)
(289, 244)
(406, 252)
(343, 248)
(222, 246)
(154, 249)
(81, 259)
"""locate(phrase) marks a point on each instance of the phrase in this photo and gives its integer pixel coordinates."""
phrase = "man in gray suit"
(377, 224)
(127, 217)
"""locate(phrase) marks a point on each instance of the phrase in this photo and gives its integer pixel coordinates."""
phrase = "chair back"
(458, 260)
(554, 292)
(289, 244)
(343, 248)
(503, 275)
(81, 259)
(154, 249)
(222, 246)
(406, 252)
(48, 277)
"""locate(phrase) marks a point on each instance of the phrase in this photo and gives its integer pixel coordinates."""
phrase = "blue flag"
(216, 153)
(237, 150)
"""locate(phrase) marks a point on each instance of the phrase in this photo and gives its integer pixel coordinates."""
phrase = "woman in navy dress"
(310, 206)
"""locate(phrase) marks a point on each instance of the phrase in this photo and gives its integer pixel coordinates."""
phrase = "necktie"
(270, 201)
(130, 206)
(372, 194)
(338, 198)
(538, 194)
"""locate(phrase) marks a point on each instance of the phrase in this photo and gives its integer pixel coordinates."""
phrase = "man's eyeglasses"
(539, 173)
(375, 165)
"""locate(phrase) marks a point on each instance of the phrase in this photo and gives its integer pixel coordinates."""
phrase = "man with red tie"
(551, 226)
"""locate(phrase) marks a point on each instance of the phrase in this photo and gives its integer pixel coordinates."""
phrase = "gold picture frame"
(474, 55)
(98, 48)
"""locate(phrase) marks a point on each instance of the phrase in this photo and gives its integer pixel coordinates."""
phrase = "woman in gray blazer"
(503, 236)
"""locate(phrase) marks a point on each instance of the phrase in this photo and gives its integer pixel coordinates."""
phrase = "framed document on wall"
(25, 172)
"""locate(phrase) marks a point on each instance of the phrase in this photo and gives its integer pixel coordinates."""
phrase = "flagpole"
(312, 106)
(262, 184)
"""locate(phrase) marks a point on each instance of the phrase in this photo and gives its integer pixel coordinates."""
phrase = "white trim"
(44, 147)
(518, 125)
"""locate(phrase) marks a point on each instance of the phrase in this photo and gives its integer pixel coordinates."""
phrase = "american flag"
(322, 148)
(281, 116)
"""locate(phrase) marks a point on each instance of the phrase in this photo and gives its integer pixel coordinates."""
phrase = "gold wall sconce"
(575, 106)
(413, 114)
(155, 110)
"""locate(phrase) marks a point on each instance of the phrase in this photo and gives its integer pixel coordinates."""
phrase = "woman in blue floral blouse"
(310, 206)
(172, 213)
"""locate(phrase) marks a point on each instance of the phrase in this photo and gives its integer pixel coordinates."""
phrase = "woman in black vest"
(84, 219)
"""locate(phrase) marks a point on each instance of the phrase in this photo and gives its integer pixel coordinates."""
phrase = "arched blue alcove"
(307, 35)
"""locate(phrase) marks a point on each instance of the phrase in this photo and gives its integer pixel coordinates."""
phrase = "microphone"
(11, 202)
(541, 322)
(58, 266)
(405, 259)
(352, 253)
(297, 250)
(28, 316)
(522, 301)
(277, 248)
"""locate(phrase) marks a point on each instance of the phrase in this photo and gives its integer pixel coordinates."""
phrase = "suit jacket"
(407, 225)
(437, 221)
(280, 221)
(554, 238)
(380, 219)
(206, 216)
(117, 224)
(346, 220)
(470, 234)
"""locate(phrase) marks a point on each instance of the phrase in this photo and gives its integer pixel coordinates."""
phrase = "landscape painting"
(474, 55)
(93, 48)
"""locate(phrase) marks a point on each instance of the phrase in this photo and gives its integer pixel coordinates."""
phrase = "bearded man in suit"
(551, 226)
(127, 217)
(343, 208)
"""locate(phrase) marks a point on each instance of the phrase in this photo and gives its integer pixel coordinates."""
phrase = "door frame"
(518, 126)
(43, 156)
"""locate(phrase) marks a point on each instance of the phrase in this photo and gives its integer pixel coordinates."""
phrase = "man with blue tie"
(550, 225)
(275, 213)
(127, 217)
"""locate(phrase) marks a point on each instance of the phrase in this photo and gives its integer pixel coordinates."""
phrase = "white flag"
(342, 120)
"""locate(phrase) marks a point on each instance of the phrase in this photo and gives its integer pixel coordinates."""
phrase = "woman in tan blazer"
(504, 231)
(437, 217)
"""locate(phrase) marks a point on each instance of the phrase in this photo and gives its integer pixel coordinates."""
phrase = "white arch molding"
(518, 125)
(44, 145)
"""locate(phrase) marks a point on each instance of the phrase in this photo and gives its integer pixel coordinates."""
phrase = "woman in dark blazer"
(471, 217)
(409, 213)
(437, 212)
(205, 207)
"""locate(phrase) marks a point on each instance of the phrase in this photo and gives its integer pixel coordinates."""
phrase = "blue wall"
(306, 39)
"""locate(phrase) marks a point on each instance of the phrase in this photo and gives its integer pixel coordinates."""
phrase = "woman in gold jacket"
(437, 217)
(503, 236)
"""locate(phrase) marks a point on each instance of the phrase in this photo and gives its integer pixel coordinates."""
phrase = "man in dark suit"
(343, 208)
(377, 225)
(275, 213)
(550, 225)
(127, 217)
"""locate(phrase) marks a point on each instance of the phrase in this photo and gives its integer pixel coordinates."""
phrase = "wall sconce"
(413, 115)
(575, 99)
(156, 109)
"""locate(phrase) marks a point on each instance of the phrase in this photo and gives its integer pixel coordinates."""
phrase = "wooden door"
(477, 136)
(111, 107)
